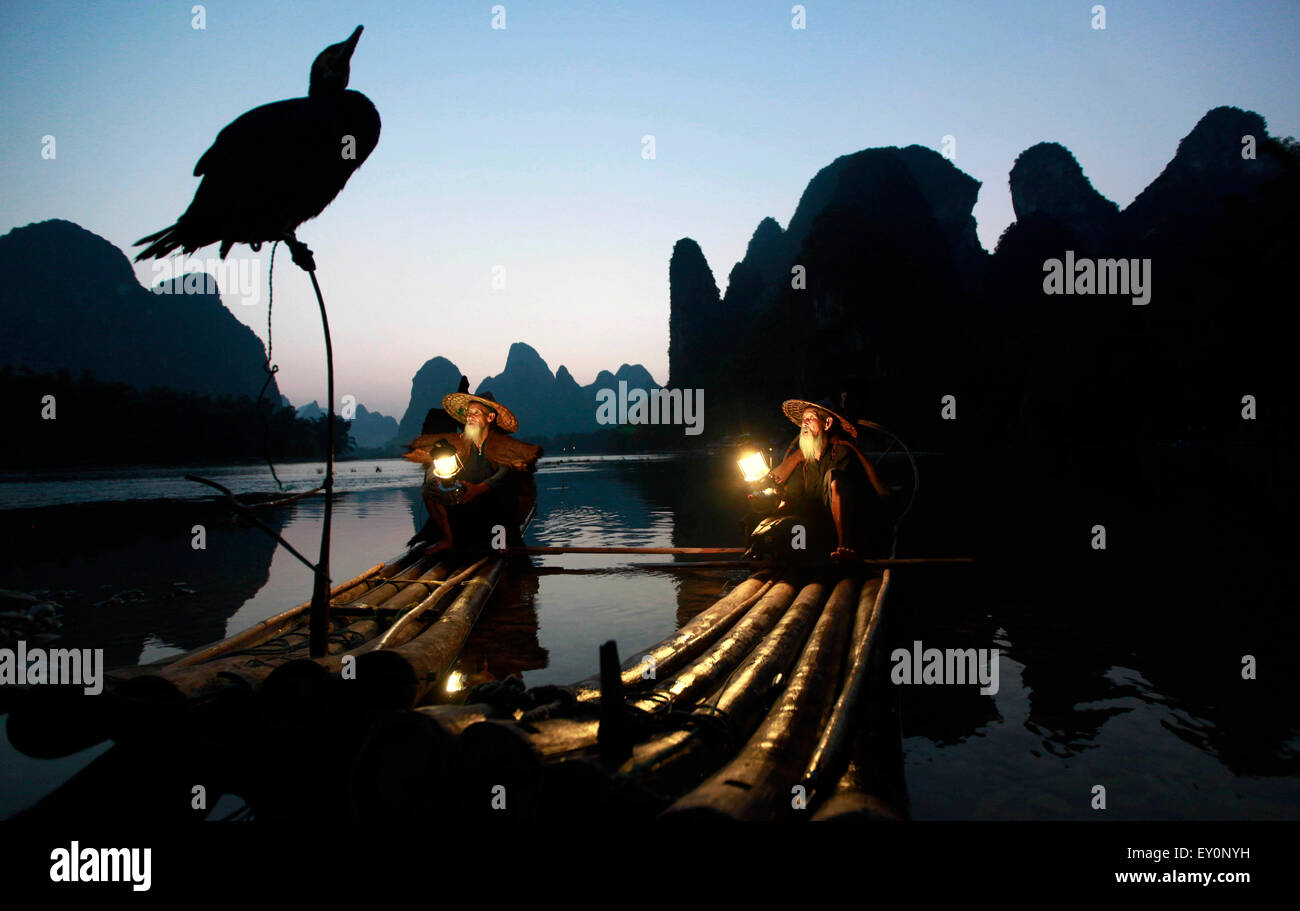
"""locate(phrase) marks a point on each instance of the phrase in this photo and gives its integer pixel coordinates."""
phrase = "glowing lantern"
(446, 464)
(753, 467)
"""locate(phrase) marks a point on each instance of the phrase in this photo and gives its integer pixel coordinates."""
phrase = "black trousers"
(474, 525)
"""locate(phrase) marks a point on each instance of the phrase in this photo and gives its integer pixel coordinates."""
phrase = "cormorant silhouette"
(278, 165)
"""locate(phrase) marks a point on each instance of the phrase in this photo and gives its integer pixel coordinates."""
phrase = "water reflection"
(169, 576)
(1123, 671)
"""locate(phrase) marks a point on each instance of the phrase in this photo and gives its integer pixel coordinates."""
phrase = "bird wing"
(245, 139)
(362, 120)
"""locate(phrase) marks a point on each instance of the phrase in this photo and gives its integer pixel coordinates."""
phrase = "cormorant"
(278, 165)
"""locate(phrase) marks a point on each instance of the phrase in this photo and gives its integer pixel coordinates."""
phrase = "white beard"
(474, 433)
(811, 447)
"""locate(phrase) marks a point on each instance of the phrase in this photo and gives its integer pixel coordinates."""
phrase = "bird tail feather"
(161, 243)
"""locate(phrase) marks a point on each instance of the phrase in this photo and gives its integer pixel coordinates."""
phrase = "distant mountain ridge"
(368, 429)
(61, 277)
(546, 403)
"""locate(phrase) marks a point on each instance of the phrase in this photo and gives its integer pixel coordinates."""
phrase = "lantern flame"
(446, 467)
(446, 464)
(753, 467)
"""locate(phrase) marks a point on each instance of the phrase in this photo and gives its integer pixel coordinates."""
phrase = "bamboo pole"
(497, 751)
(873, 786)
(401, 677)
(675, 651)
(515, 751)
(674, 762)
(50, 722)
(758, 782)
(710, 669)
(831, 754)
(422, 574)
(344, 592)
(140, 702)
(428, 603)
(308, 680)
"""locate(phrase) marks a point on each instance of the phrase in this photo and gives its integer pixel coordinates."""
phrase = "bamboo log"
(498, 783)
(422, 568)
(515, 751)
(758, 783)
(190, 680)
(50, 722)
(401, 677)
(139, 704)
(552, 738)
(831, 754)
(546, 740)
(304, 680)
(676, 761)
(873, 786)
(404, 764)
(344, 593)
(433, 600)
(675, 651)
(580, 790)
(870, 790)
(708, 671)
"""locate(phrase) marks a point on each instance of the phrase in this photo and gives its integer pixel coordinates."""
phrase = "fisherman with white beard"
(496, 474)
(831, 485)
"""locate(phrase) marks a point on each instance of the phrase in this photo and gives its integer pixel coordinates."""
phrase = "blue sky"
(521, 148)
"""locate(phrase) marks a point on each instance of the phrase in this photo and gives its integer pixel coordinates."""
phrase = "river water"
(1106, 676)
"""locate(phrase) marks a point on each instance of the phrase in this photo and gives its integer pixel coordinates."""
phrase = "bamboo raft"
(393, 605)
(770, 704)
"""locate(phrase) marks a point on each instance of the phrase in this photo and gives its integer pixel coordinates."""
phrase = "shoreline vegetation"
(82, 423)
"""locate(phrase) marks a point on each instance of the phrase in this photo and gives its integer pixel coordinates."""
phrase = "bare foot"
(442, 545)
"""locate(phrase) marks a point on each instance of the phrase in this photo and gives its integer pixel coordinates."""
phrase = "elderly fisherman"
(832, 486)
(494, 486)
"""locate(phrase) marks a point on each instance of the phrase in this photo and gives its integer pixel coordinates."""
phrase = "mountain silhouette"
(71, 301)
(879, 281)
(368, 429)
(547, 404)
(435, 378)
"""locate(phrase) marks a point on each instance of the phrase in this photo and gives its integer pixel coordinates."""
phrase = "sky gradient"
(521, 148)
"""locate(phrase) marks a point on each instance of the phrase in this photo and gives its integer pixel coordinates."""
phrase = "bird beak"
(351, 44)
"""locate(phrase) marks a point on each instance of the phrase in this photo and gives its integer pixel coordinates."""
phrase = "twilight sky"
(521, 148)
